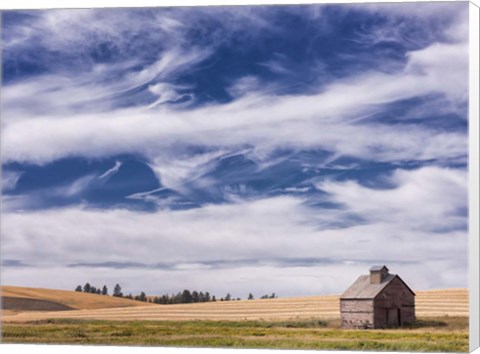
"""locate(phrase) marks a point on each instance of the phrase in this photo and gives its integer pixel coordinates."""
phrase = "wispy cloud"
(440, 193)
(412, 219)
(266, 121)
(335, 119)
(270, 143)
(10, 179)
(109, 173)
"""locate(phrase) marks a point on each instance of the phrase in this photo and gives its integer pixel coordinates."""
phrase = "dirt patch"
(27, 304)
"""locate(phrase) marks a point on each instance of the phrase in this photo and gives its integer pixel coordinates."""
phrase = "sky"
(247, 149)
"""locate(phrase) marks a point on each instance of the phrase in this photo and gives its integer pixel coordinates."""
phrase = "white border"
(474, 171)
(474, 167)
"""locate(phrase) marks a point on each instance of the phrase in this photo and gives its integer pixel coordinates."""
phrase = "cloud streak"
(235, 148)
(410, 222)
(322, 120)
(109, 173)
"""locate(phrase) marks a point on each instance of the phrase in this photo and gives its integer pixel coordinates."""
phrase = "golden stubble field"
(431, 303)
(284, 323)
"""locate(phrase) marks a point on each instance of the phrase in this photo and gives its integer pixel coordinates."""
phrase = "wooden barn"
(377, 300)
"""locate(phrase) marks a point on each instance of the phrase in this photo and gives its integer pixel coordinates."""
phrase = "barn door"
(393, 319)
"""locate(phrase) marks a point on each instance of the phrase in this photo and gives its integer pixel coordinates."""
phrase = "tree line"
(87, 288)
(184, 297)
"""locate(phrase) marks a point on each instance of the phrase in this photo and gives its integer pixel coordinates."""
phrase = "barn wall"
(356, 306)
(395, 295)
(356, 313)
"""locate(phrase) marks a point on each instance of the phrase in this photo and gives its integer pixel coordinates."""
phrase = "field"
(72, 299)
(289, 323)
(432, 303)
(448, 334)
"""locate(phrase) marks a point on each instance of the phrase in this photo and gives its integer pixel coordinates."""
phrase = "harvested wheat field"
(21, 299)
(432, 303)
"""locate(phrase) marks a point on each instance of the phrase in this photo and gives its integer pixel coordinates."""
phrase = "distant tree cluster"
(189, 297)
(117, 292)
(184, 297)
(141, 297)
(87, 288)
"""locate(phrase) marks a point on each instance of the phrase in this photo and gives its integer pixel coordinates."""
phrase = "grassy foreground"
(440, 334)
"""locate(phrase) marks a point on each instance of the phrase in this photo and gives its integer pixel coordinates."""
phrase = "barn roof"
(378, 268)
(363, 289)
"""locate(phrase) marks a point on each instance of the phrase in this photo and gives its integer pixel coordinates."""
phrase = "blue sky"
(235, 149)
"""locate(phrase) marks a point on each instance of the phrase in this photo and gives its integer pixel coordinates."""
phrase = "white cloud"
(110, 172)
(260, 280)
(175, 170)
(416, 225)
(10, 179)
(36, 198)
(402, 18)
(75, 188)
(428, 199)
(435, 63)
(327, 120)
(412, 226)
(165, 92)
(244, 86)
(70, 114)
(297, 189)
(63, 95)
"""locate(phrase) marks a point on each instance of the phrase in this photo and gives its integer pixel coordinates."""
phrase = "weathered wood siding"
(356, 306)
(357, 313)
(395, 296)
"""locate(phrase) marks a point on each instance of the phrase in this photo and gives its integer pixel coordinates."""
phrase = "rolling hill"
(451, 302)
(21, 299)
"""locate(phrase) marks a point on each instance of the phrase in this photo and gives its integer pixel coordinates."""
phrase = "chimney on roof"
(378, 274)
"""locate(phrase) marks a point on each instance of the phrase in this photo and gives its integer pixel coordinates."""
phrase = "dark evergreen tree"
(186, 297)
(104, 290)
(117, 291)
(207, 297)
(228, 297)
(142, 296)
(250, 296)
(195, 296)
(86, 288)
(79, 288)
(93, 290)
